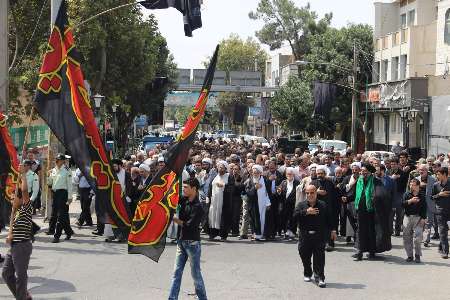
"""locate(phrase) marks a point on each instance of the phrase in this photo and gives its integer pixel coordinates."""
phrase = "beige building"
(409, 61)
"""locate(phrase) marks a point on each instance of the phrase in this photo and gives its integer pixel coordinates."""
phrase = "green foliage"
(335, 47)
(181, 114)
(329, 50)
(238, 55)
(286, 22)
(292, 105)
(227, 101)
(25, 51)
(122, 53)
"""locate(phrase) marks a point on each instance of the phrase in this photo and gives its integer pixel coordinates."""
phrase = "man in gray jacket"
(426, 184)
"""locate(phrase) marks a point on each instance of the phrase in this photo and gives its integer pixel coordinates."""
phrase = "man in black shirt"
(190, 215)
(327, 193)
(314, 219)
(441, 197)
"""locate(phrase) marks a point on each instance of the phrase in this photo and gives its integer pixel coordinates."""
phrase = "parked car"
(378, 154)
(337, 145)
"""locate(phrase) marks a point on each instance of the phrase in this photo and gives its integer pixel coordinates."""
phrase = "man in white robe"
(257, 189)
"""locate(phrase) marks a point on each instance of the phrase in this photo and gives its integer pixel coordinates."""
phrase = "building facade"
(409, 55)
(278, 68)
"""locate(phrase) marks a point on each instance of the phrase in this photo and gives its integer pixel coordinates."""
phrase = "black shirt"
(320, 223)
(442, 203)
(415, 209)
(191, 213)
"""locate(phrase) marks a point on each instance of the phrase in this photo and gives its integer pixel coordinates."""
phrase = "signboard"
(374, 94)
(141, 121)
(188, 99)
(254, 111)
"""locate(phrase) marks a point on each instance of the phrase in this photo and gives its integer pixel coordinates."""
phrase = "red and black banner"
(156, 206)
(9, 163)
(63, 102)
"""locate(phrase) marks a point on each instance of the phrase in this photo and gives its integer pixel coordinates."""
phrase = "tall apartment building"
(410, 53)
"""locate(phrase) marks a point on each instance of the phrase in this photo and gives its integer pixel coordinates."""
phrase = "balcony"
(392, 40)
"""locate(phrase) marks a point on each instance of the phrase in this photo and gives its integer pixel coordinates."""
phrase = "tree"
(124, 57)
(285, 22)
(292, 105)
(238, 55)
(29, 29)
(227, 101)
(335, 47)
(181, 114)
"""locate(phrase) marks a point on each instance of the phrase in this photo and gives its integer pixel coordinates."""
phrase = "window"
(376, 72)
(394, 68)
(412, 17)
(403, 65)
(384, 70)
(447, 27)
(403, 20)
(385, 42)
(393, 123)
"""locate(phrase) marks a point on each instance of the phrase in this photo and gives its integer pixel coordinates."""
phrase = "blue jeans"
(185, 250)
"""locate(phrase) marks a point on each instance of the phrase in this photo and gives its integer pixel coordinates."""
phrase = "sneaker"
(426, 244)
(357, 256)
(444, 256)
(55, 240)
(307, 279)
(409, 259)
(417, 259)
(322, 283)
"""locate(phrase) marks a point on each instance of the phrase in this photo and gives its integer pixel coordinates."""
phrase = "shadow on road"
(344, 286)
(401, 261)
(74, 250)
(50, 286)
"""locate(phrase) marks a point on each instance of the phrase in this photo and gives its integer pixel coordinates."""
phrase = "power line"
(31, 37)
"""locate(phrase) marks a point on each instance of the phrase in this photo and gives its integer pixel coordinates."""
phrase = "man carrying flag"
(190, 216)
(160, 198)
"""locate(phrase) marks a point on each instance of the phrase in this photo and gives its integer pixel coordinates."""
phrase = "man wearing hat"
(60, 181)
(32, 179)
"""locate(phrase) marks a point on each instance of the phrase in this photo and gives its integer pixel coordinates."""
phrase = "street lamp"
(98, 100)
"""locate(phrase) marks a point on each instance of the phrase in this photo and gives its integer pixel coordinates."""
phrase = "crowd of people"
(263, 194)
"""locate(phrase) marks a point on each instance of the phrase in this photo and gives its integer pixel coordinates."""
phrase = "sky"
(222, 17)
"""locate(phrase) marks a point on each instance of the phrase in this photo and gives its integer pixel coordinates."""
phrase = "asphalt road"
(86, 268)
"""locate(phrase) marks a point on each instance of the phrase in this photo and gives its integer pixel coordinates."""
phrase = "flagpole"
(19, 182)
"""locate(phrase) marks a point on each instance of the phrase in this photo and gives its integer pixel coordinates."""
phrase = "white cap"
(144, 167)
(207, 160)
(259, 168)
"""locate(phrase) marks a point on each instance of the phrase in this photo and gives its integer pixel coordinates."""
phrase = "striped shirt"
(22, 223)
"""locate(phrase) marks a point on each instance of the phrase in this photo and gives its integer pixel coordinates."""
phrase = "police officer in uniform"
(315, 223)
(60, 181)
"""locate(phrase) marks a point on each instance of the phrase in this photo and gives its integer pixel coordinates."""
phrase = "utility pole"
(4, 61)
(354, 99)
